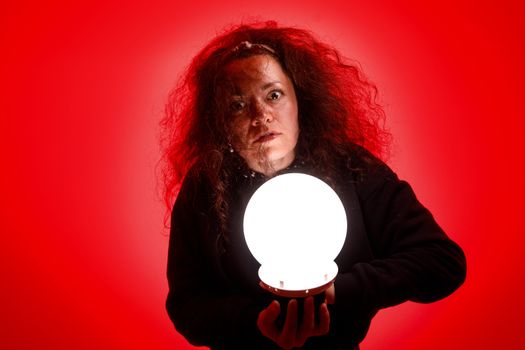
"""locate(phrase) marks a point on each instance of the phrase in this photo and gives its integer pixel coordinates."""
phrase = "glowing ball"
(295, 226)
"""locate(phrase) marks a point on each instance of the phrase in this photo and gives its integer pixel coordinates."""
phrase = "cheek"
(239, 131)
(291, 113)
(292, 120)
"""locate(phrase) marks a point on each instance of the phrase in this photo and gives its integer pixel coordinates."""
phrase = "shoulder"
(195, 192)
(368, 171)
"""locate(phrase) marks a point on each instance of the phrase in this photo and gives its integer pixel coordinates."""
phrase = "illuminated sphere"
(295, 226)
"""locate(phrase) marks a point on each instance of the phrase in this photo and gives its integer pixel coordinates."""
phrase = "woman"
(262, 100)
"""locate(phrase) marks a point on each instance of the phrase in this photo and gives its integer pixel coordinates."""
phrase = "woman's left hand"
(293, 334)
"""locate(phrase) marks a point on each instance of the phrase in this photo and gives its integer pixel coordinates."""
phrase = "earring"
(230, 148)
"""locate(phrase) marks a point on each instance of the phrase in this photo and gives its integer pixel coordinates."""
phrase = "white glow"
(295, 226)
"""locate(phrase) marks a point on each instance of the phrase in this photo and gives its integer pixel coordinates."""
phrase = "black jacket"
(394, 252)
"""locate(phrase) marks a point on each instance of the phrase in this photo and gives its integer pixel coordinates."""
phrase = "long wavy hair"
(337, 107)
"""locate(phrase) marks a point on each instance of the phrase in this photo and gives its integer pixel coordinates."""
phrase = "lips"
(267, 136)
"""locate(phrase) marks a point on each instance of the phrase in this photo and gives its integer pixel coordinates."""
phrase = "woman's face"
(263, 109)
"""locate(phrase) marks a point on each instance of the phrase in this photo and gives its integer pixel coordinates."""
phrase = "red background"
(83, 84)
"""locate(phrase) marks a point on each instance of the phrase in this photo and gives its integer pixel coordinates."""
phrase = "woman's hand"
(292, 334)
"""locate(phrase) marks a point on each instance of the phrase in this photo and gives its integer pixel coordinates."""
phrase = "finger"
(287, 337)
(307, 323)
(330, 294)
(274, 309)
(324, 320)
(309, 314)
(266, 320)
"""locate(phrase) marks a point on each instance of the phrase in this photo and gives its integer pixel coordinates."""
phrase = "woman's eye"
(237, 106)
(275, 95)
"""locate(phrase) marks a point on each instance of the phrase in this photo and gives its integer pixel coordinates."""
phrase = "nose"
(260, 114)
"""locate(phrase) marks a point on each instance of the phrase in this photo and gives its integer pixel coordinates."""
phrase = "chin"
(280, 156)
(274, 156)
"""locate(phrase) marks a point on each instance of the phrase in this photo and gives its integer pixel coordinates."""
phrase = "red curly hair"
(337, 106)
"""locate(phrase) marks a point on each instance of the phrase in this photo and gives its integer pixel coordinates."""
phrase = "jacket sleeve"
(413, 258)
(201, 308)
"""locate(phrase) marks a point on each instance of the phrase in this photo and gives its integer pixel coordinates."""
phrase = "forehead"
(254, 69)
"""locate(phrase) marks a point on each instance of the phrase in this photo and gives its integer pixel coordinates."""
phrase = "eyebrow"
(264, 87)
(267, 85)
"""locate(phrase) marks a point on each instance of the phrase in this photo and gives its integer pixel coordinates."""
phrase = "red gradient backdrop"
(83, 83)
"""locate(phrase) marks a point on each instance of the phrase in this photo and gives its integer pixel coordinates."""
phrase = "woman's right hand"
(293, 335)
